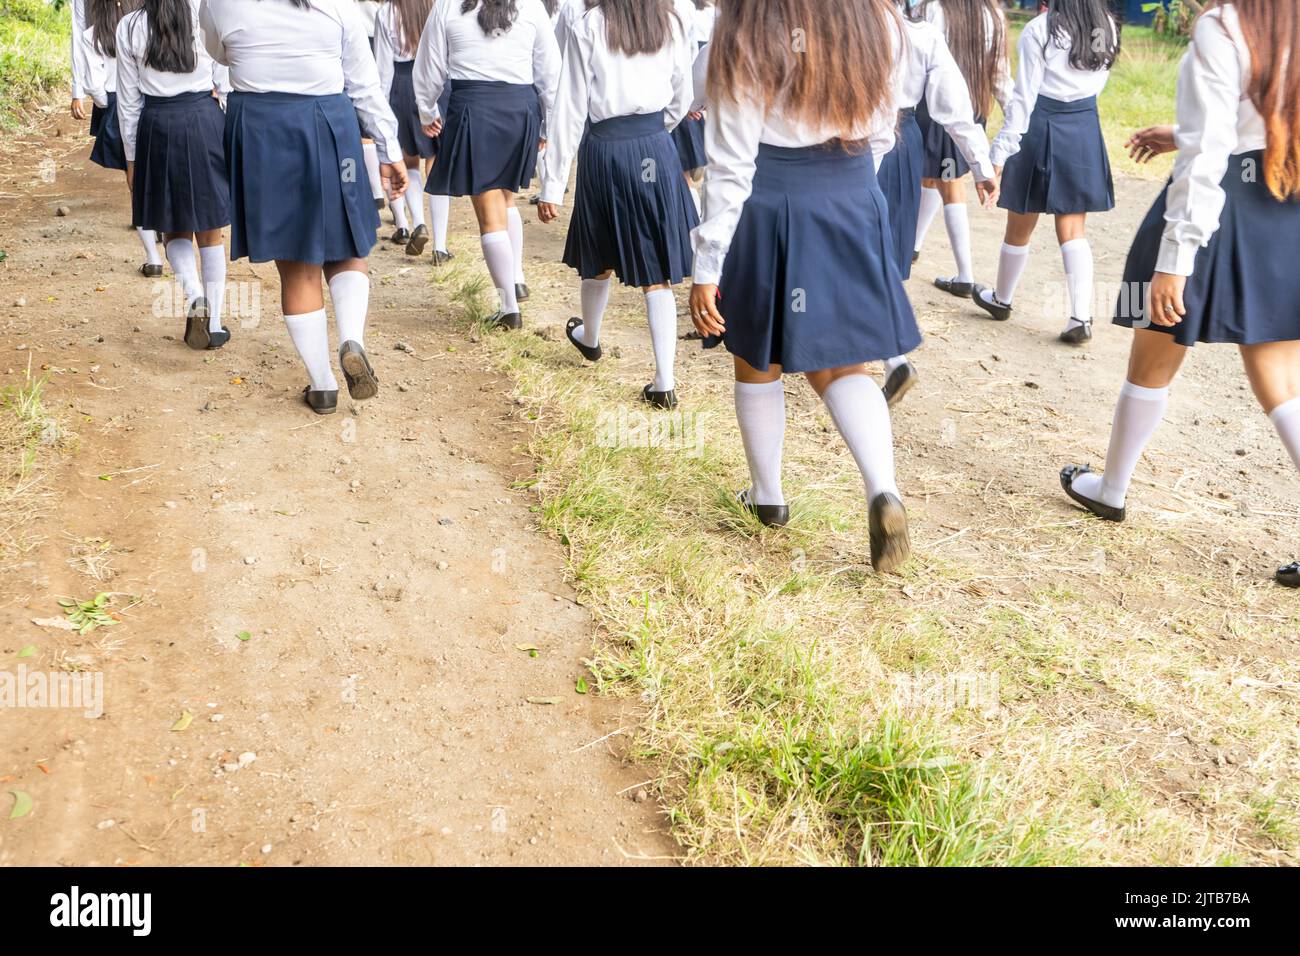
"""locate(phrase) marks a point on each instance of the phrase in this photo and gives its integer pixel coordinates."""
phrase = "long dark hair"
(103, 16)
(170, 47)
(494, 16)
(551, 6)
(1087, 26)
(637, 26)
(967, 24)
(411, 15)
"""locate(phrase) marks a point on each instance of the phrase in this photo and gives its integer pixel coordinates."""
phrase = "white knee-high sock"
(1077, 256)
(1138, 414)
(931, 203)
(415, 196)
(500, 257)
(213, 261)
(861, 415)
(311, 337)
(149, 240)
(661, 310)
(350, 293)
(370, 155)
(1011, 266)
(180, 254)
(1286, 419)
(957, 221)
(399, 215)
(595, 297)
(515, 227)
(439, 215)
(760, 410)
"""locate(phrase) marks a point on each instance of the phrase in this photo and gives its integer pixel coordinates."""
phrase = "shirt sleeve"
(129, 97)
(947, 97)
(569, 117)
(701, 79)
(96, 78)
(384, 55)
(211, 35)
(683, 81)
(732, 134)
(1208, 100)
(1004, 87)
(546, 63)
(1029, 79)
(430, 71)
(78, 44)
(361, 83)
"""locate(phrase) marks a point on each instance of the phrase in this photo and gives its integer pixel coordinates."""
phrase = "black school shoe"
(521, 292)
(321, 402)
(441, 256)
(151, 271)
(990, 304)
(419, 239)
(401, 237)
(218, 339)
(665, 400)
(773, 516)
(899, 382)
(916, 256)
(961, 290)
(890, 544)
(589, 352)
(1077, 334)
(1289, 576)
(512, 321)
(1100, 509)
(361, 378)
(196, 325)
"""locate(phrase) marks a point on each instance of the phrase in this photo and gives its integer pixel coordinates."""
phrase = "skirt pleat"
(181, 181)
(108, 151)
(410, 132)
(489, 139)
(943, 160)
(900, 181)
(1062, 167)
(688, 138)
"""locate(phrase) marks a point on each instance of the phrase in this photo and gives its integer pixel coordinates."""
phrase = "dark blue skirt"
(489, 139)
(620, 221)
(1062, 167)
(900, 181)
(410, 133)
(810, 280)
(181, 183)
(688, 137)
(943, 160)
(298, 185)
(108, 150)
(1245, 285)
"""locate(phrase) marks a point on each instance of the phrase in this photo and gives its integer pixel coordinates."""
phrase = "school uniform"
(396, 79)
(501, 89)
(928, 76)
(77, 43)
(688, 135)
(101, 87)
(1051, 146)
(291, 129)
(636, 223)
(173, 130)
(1216, 221)
(370, 16)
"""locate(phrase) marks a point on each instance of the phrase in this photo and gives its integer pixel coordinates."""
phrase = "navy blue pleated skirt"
(1062, 167)
(108, 150)
(1245, 284)
(810, 280)
(688, 137)
(489, 139)
(298, 185)
(410, 132)
(943, 160)
(900, 181)
(181, 183)
(639, 225)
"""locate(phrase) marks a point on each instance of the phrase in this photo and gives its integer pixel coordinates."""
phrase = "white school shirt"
(454, 47)
(135, 80)
(598, 84)
(101, 71)
(78, 44)
(929, 72)
(1044, 70)
(1002, 82)
(272, 46)
(369, 13)
(1216, 120)
(733, 133)
(387, 32)
(703, 21)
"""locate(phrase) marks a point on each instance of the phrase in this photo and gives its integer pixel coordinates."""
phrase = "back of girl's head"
(1087, 29)
(170, 47)
(976, 35)
(637, 26)
(102, 18)
(410, 18)
(494, 16)
(827, 65)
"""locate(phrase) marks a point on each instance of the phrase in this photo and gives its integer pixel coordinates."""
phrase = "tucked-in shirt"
(597, 84)
(929, 72)
(136, 80)
(1216, 120)
(1044, 70)
(101, 71)
(454, 47)
(272, 46)
(1002, 82)
(78, 44)
(733, 133)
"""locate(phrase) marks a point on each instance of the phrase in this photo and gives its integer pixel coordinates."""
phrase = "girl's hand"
(697, 115)
(547, 212)
(1166, 299)
(393, 176)
(130, 175)
(78, 110)
(704, 310)
(433, 130)
(988, 190)
(1146, 144)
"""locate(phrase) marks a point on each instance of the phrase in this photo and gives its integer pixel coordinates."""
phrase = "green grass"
(34, 58)
(29, 437)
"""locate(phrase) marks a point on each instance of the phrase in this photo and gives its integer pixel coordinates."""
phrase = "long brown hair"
(979, 56)
(411, 15)
(103, 16)
(494, 16)
(827, 65)
(1272, 32)
(637, 26)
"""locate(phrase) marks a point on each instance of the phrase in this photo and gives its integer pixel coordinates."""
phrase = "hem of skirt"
(802, 369)
(1024, 209)
(633, 283)
(184, 228)
(262, 256)
(103, 165)
(454, 191)
(1173, 331)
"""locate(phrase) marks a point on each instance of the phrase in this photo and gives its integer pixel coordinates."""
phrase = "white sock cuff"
(954, 206)
(758, 388)
(179, 243)
(1144, 394)
(1010, 250)
(1074, 244)
(340, 284)
(1285, 410)
(655, 294)
(494, 238)
(305, 317)
(847, 382)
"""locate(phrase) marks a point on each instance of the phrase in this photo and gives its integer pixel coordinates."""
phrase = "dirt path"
(381, 563)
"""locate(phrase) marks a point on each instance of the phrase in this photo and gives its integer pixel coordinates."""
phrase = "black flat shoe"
(665, 400)
(401, 237)
(151, 271)
(961, 290)
(590, 353)
(512, 321)
(899, 382)
(218, 339)
(361, 378)
(196, 325)
(419, 239)
(1101, 510)
(773, 516)
(442, 255)
(521, 292)
(322, 402)
(916, 256)
(990, 304)
(1289, 576)
(890, 544)
(380, 203)
(1077, 334)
